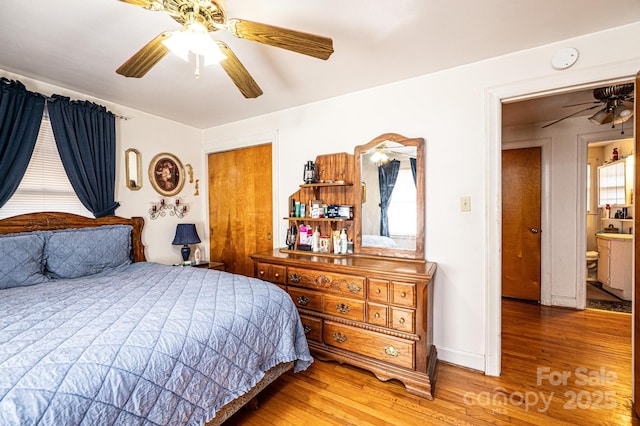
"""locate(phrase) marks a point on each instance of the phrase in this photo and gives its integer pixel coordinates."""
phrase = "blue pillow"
(73, 253)
(22, 259)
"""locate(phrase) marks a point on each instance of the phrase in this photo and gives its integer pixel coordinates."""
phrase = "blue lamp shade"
(185, 234)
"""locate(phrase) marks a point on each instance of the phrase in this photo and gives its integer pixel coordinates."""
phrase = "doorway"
(572, 152)
(610, 172)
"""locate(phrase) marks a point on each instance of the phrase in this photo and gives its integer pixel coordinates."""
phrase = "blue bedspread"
(142, 344)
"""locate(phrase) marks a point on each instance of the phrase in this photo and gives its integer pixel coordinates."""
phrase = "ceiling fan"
(199, 18)
(615, 103)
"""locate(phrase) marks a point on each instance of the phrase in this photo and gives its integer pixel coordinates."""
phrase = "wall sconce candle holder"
(162, 208)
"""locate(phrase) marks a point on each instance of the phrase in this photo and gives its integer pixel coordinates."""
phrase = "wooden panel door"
(521, 183)
(240, 206)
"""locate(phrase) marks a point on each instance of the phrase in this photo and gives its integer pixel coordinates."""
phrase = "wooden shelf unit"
(337, 173)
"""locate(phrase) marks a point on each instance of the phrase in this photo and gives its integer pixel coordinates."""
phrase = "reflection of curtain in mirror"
(412, 161)
(387, 176)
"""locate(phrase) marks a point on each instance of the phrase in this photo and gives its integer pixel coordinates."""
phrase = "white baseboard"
(463, 359)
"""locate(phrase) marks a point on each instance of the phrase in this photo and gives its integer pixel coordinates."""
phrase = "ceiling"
(78, 44)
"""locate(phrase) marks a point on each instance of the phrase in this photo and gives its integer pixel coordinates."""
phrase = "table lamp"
(185, 234)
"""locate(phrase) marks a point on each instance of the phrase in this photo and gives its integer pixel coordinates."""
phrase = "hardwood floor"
(559, 366)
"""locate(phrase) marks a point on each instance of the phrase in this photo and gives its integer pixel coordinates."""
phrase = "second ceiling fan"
(615, 103)
(201, 17)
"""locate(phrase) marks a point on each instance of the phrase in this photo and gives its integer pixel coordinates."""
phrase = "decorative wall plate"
(166, 174)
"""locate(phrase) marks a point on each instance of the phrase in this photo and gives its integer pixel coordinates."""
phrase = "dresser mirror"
(389, 219)
(133, 167)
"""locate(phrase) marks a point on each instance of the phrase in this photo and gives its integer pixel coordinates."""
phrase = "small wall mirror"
(389, 220)
(133, 167)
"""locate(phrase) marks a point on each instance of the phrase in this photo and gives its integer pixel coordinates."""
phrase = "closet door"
(240, 206)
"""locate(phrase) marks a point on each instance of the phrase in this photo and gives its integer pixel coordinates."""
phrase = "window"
(611, 180)
(402, 207)
(45, 186)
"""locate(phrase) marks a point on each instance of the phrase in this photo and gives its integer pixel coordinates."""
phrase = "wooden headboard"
(48, 221)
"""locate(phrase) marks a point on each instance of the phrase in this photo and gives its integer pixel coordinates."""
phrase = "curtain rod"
(46, 111)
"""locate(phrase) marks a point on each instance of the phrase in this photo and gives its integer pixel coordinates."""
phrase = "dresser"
(371, 312)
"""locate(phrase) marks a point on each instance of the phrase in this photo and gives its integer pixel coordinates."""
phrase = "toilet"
(592, 266)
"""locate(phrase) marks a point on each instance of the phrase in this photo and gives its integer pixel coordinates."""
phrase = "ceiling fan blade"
(583, 103)
(308, 44)
(570, 115)
(238, 73)
(145, 59)
(142, 3)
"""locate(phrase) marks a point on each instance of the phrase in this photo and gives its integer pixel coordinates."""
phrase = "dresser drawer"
(384, 348)
(274, 273)
(378, 290)
(403, 319)
(312, 328)
(306, 299)
(278, 274)
(352, 285)
(403, 294)
(344, 308)
(377, 314)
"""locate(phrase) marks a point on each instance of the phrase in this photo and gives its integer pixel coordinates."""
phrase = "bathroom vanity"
(615, 263)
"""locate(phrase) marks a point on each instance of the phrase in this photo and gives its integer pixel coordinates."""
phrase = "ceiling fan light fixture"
(195, 38)
(179, 44)
(622, 113)
(379, 156)
(601, 117)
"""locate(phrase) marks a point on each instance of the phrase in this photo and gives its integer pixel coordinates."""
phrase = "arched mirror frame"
(133, 169)
(418, 253)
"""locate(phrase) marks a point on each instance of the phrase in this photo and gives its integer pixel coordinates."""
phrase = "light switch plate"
(465, 204)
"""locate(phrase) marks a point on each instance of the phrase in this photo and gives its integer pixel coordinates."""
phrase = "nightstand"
(217, 266)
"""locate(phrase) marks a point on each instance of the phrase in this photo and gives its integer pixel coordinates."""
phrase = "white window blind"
(45, 186)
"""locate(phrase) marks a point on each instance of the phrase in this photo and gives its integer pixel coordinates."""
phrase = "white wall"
(459, 147)
(150, 135)
(454, 110)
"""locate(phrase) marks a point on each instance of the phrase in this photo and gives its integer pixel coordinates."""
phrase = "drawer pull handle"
(391, 351)
(277, 275)
(377, 315)
(306, 329)
(401, 320)
(377, 291)
(295, 278)
(261, 272)
(302, 300)
(342, 308)
(353, 287)
(403, 294)
(339, 337)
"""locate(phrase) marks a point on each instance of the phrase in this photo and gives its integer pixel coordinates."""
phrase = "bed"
(91, 333)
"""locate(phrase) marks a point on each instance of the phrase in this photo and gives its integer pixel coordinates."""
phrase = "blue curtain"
(20, 118)
(85, 134)
(412, 161)
(387, 176)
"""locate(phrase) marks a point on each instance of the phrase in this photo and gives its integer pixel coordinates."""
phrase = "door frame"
(545, 211)
(494, 96)
(210, 147)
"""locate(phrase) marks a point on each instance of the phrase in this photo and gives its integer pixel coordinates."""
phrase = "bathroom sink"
(615, 236)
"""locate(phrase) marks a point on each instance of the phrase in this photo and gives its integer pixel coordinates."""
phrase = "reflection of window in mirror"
(402, 209)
